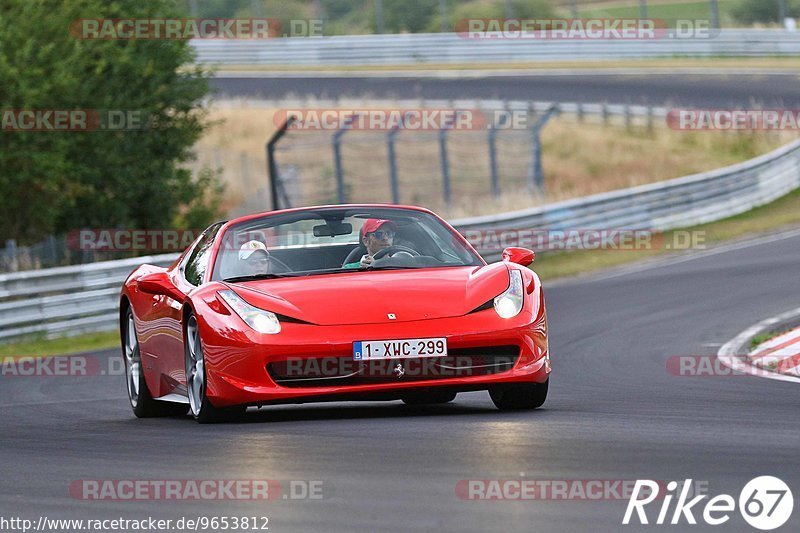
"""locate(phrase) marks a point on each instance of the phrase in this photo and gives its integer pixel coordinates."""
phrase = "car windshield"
(332, 240)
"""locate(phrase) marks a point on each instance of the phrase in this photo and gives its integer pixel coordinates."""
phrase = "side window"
(195, 269)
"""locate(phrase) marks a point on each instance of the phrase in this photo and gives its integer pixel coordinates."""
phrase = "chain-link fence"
(333, 155)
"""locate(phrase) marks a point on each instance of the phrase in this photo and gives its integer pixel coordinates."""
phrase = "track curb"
(733, 353)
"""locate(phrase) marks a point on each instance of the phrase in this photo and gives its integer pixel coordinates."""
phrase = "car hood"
(369, 297)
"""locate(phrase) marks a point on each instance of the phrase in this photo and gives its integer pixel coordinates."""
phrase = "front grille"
(325, 371)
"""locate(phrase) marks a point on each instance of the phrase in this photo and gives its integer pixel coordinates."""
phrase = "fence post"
(605, 114)
(11, 254)
(627, 117)
(714, 8)
(390, 138)
(445, 163)
(272, 165)
(493, 160)
(53, 248)
(337, 157)
(536, 176)
(650, 119)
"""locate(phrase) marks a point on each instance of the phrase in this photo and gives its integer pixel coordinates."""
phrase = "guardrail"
(70, 300)
(450, 48)
(66, 300)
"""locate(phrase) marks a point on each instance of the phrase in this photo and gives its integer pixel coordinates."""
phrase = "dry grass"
(578, 159)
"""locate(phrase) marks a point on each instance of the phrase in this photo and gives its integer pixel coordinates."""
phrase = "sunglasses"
(382, 234)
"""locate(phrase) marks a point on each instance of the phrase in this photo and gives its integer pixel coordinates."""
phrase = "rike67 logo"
(765, 503)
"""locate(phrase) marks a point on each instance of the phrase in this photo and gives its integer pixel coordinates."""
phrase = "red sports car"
(332, 303)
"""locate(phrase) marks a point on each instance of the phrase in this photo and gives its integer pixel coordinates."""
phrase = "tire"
(429, 398)
(142, 402)
(199, 405)
(521, 396)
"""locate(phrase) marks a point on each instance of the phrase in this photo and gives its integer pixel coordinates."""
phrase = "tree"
(55, 181)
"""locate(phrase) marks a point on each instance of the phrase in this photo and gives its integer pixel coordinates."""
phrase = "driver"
(254, 258)
(376, 234)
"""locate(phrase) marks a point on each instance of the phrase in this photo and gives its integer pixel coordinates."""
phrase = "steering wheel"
(391, 250)
(276, 261)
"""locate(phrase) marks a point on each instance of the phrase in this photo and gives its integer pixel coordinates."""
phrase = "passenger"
(254, 258)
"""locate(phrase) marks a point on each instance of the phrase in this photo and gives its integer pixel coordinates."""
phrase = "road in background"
(614, 412)
(723, 90)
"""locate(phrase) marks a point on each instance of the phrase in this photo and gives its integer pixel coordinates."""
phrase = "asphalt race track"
(720, 90)
(614, 412)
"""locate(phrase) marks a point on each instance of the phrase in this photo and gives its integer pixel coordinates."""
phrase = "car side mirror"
(520, 256)
(159, 283)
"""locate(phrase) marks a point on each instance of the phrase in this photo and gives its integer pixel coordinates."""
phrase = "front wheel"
(201, 408)
(519, 396)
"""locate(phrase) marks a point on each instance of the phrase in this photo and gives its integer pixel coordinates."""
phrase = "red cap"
(373, 224)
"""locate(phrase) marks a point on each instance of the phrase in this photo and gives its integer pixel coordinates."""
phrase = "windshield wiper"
(389, 267)
(255, 277)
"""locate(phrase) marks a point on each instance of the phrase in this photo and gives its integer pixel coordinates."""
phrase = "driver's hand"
(366, 260)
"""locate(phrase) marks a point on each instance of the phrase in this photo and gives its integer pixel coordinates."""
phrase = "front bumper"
(244, 367)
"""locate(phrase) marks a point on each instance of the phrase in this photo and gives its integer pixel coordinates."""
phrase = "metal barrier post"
(536, 176)
(493, 161)
(445, 163)
(11, 254)
(714, 8)
(337, 157)
(272, 166)
(390, 138)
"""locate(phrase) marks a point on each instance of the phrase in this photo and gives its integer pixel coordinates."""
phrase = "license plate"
(399, 349)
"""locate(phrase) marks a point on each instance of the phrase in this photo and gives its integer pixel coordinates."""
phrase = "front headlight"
(509, 304)
(258, 319)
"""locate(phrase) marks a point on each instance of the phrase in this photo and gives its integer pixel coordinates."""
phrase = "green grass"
(782, 213)
(38, 346)
(669, 12)
(761, 338)
(767, 335)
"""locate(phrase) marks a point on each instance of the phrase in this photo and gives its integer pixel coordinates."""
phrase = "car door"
(164, 343)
